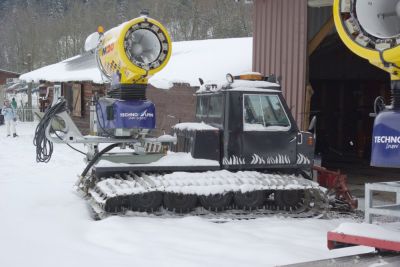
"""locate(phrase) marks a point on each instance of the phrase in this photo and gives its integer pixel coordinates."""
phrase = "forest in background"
(35, 33)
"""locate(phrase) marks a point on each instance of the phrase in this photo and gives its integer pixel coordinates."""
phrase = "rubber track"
(205, 183)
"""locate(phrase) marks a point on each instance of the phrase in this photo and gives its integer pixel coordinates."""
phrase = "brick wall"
(172, 106)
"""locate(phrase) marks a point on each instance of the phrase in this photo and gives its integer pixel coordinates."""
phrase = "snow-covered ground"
(44, 223)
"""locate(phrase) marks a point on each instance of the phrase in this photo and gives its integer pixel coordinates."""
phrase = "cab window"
(201, 107)
(215, 106)
(264, 112)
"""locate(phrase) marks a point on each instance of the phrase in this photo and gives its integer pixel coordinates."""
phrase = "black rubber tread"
(289, 199)
(315, 204)
(117, 204)
(217, 202)
(180, 203)
(148, 202)
(250, 200)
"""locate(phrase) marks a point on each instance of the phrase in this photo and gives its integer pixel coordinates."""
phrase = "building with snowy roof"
(171, 90)
(5, 76)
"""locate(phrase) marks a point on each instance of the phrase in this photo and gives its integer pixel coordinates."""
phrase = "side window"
(264, 113)
(278, 115)
(201, 107)
(215, 107)
(253, 110)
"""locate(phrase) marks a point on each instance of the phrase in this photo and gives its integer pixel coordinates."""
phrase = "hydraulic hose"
(44, 147)
(96, 157)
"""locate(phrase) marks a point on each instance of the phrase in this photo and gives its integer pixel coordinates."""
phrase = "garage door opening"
(345, 87)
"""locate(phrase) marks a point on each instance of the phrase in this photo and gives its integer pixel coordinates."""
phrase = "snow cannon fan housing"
(131, 53)
(371, 29)
(128, 55)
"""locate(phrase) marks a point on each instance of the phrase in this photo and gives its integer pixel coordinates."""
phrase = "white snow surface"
(171, 159)
(260, 127)
(44, 223)
(387, 231)
(239, 85)
(78, 68)
(194, 126)
(190, 60)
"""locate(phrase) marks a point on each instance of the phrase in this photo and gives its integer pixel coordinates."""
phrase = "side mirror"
(313, 124)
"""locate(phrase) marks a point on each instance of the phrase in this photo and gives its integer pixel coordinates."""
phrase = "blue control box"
(386, 140)
(126, 114)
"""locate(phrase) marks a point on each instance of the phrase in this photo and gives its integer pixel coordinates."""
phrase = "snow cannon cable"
(44, 147)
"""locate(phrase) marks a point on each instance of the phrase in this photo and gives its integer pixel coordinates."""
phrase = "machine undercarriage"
(238, 195)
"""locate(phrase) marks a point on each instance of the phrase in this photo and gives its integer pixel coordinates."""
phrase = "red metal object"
(337, 182)
(339, 240)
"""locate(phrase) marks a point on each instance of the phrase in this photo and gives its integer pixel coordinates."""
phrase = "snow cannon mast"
(371, 29)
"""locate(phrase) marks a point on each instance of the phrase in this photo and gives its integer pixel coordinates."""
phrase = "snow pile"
(208, 183)
(171, 159)
(183, 159)
(388, 231)
(43, 223)
(253, 84)
(239, 85)
(194, 126)
(190, 60)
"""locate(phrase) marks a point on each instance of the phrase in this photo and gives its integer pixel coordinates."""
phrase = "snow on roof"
(7, 71)
(239, 85)
(208, 59)
(78, 68)
(190, 60)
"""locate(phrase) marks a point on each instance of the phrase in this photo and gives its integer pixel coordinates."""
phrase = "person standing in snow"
(14, 103)
(9, 117)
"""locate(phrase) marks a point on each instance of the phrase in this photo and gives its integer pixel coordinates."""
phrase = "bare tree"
(53, 30)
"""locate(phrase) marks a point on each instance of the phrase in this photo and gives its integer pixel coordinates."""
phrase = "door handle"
(300, 138)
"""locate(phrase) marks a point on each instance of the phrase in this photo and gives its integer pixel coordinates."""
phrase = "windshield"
(264, 113)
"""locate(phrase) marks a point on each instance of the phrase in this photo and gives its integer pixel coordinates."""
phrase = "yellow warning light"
(251, 77)
(100, 29)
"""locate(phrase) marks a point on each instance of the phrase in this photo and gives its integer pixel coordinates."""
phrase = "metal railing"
(26, 114)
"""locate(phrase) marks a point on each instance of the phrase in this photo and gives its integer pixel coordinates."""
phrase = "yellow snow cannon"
(132, 52)
(371, 29)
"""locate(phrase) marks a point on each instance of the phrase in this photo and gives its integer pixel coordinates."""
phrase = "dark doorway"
(345, 87)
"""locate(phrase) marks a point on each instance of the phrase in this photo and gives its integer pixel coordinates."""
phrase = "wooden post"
(320, 36)
(29, 114)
